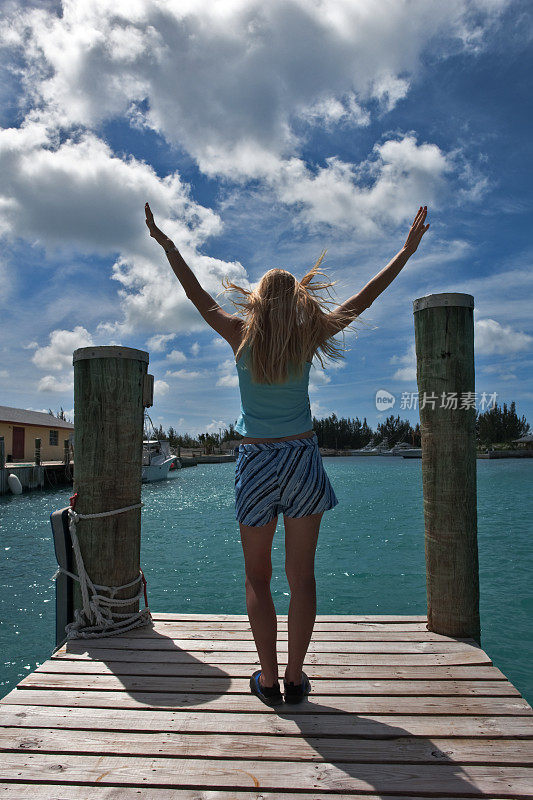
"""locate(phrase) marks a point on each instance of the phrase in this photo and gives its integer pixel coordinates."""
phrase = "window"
(54, 437)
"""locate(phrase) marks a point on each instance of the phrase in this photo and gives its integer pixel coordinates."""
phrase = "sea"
(370, 555)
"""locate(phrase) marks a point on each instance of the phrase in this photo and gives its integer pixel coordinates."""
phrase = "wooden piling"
(37, 453)
(108, 417)
(444, 343)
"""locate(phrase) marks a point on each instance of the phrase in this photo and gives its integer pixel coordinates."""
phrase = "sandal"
(295, 692)
(271, 695)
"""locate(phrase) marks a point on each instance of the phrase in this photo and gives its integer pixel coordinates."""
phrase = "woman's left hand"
(155, 232)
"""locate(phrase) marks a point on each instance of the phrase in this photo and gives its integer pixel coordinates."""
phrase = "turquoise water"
(370, 555)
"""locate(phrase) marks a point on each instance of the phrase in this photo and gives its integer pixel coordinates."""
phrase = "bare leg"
(301, 537)
(257, 544)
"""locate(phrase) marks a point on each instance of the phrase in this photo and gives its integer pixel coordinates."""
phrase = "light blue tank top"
(273, 410)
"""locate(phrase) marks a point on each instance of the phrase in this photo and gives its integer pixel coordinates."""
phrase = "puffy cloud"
(157, 343)
(160, 388)
(51, 383)
(238, 86)
(491, 337)
(340, 194)
(228, 81)
(58, 354)
(79, 195)
(228, 370)
(407, 372)
(188, 375)
(228, 380)
(214, 425)
(176, 357)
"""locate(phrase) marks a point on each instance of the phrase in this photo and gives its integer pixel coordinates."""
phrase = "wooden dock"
(165, 711)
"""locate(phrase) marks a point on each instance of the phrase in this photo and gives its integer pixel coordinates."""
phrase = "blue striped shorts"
(285, 477)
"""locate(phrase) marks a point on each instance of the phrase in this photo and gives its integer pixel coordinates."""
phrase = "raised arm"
(223, 323)
(379, 282)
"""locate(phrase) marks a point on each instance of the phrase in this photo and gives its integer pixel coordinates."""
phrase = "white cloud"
(329, 111)
(228, 380)
(219, 341)
(228, 370)
(160, 388)
(491, 337)
(407, 372)
(319, 411)
(157, 343)
(78, 195)
(317, 377)
(227, 81)
(340, 194)
(58, 354)
(30, 346)
(183, 373)
(195, 348)
(176, 356)
(51, 383)
(214, 425)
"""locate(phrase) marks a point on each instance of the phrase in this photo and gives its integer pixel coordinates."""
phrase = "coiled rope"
(96, 618)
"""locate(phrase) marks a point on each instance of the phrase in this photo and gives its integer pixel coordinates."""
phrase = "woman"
(279, 467)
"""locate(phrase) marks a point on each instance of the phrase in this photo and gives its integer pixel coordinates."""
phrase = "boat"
(400, 449)
(383, 449)
(157, 460)
(413, 452)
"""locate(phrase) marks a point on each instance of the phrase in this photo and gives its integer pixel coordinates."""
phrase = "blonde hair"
(286, 322)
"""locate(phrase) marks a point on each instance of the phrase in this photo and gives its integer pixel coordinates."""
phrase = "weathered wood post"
(109, 386)
(444, 344)
(37, 456)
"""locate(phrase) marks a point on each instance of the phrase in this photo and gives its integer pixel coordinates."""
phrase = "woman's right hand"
(418, 229)
(155, 232)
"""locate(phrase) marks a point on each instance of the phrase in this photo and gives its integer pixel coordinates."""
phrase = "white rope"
(96, 617)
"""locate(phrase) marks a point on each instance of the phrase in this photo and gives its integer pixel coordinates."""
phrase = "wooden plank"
(127, 642)
(21, 791)
(254, 774)
(171, 632)
(228, 685)
(282, 625)
(334, 672)
(286, 748)
(87, 652)
(267, 722)
(385, 618)
(319, 704)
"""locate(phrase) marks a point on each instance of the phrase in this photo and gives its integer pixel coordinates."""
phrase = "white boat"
(367, 450)
(401, 448)
(382, 449)
(414, 452)
(157, 460)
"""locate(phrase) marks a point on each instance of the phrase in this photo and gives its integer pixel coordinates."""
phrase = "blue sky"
(261, 134)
